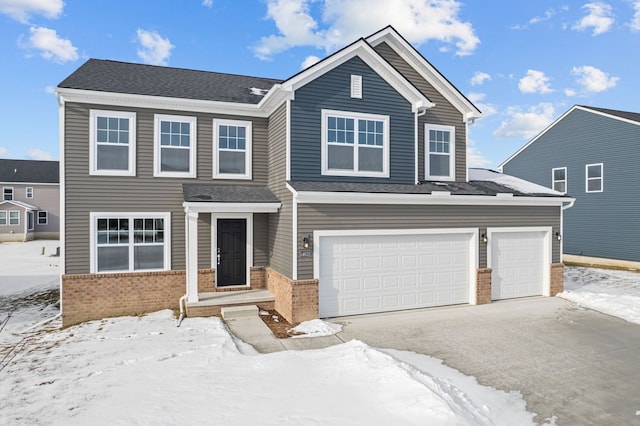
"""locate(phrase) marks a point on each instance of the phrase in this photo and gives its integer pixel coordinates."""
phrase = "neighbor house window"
(595, 177)
(113, 137)
(355, 144)
(124, 242)
(7, 193)
(440, 149)
(3, 217)
(175, 146)
(30, 221)
(14, 217)
(559, 178)
(43, 217)
(29, 192)
(232, 149)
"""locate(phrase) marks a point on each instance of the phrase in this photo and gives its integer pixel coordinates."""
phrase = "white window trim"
(93, 152)
(247, 152)
(9, 217)
(452, 152)
(93, 218)
(586, 177)
(13, 193)
(553, 179)
(192, 145)
(356, 116)
(46, 217)
(29, 192)
(33, 221)
(6, 218)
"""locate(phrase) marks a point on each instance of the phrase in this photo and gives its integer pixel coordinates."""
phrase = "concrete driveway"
(569, 362)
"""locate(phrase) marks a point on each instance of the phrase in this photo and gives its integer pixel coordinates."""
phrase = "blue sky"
(522, 63)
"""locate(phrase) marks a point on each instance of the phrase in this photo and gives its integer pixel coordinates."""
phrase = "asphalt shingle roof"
(138, 79)
(29, 171)
(207, 193)
(634, 116)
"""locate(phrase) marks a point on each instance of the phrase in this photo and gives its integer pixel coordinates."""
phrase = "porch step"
(228, 298)
(235, 312)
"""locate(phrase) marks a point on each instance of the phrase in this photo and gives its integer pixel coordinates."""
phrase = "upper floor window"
(440, 149)
(112, 146)
(29, 192)
(355, 144)
(559, 178)
(232, 149)
(7, 193)
(594, 178)
(175, 146)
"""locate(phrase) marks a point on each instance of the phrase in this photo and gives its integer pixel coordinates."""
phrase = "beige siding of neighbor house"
(444, 113)
(46, 197)
(315, 217)
(85, 193)
(280, 224)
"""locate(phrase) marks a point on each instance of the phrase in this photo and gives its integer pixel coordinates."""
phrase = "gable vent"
(356, 86)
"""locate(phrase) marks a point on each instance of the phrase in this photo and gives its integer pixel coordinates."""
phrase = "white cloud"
(534, 82)
(525, 123)
(38, 154)
(21, 10)
(594, 80)
(479, 78)
(547, 15)
(344, 21)
(635, 22)
(153, 49)
(51, 46)
(599, 17)
(474, 156)
(3, 152)
(207, 3)
(477, 99)
(308, 61)
(50, 90)
(570, 92)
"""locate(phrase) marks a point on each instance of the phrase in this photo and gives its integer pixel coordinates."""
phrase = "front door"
(232, 252)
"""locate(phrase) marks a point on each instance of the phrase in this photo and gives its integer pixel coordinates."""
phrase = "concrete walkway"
(569, 362)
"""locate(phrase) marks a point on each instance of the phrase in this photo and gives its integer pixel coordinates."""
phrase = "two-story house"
(30, 204)
(341, 190)
(590, 153)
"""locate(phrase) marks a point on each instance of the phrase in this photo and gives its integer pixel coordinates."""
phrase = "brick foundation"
(297, 301)
(483, 286)
(556, 279)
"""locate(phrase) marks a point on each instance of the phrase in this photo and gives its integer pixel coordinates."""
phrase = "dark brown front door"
(232, 252)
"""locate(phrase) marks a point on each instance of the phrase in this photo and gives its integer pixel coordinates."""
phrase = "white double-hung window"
(355, 144)
(232, 143)
(175, 146)
(112, 143)
(559, 179)
(440, 152)
(594, 177)
(122, 242)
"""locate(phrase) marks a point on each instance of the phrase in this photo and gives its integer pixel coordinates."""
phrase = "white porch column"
(191, 242)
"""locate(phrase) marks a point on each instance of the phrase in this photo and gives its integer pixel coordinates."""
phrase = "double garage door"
(361, 274)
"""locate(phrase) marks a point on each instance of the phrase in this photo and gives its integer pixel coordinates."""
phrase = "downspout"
(181, 301)
(564, 207)
(182, 313)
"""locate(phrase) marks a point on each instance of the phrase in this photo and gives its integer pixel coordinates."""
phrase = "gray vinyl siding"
(332, 91)
(280, 224)
(444, 113)
(144, 192)
(314, 217)
(204, 241)
(260, 239)
(600, 224)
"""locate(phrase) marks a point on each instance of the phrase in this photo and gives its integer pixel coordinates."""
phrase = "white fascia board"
(160, 102)
(29, 183)
(199, 207)
(365, 52)
(312, 197)
(427, 71)
(20, 204)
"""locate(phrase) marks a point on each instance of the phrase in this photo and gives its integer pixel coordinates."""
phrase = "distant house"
(341, 190)
(30, 205)
(592, 154)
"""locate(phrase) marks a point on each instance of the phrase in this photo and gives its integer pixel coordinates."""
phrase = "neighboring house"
(341, 190)
(30, 204)
(591, 154)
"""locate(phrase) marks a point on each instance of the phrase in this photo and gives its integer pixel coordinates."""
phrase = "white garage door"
(517, 260)
(376, 273)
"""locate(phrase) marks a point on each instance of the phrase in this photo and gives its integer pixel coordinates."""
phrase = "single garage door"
(375, 273)
(517, 260)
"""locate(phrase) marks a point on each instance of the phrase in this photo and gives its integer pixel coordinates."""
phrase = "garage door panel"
(405, 271)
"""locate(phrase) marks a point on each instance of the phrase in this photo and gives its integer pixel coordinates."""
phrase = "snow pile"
(612, 292)
(144, 370)
(509, 181)
(316, 328)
